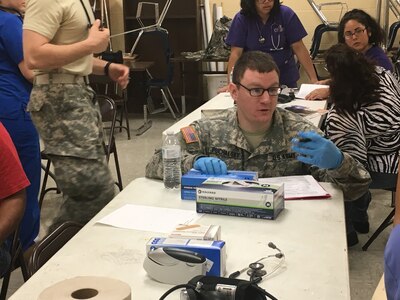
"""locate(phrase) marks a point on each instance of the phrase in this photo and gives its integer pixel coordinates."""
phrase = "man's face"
(255, 113)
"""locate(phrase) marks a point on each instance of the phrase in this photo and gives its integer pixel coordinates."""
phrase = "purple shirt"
(277, 34)
(392, 265)
(377, 55)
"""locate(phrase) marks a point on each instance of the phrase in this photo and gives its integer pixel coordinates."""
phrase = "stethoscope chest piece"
(256, 270)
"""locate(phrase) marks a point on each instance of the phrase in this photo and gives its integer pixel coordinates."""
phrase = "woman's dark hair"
(249, 7)
(353, 78)
(377, 35)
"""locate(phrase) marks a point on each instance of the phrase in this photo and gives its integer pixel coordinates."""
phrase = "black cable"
(188, 286)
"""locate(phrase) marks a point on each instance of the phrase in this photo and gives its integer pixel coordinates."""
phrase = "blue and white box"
(214, 251)
(242, 198)
(194, 178)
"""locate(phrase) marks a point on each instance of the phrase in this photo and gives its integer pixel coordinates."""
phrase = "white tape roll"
(87, 287)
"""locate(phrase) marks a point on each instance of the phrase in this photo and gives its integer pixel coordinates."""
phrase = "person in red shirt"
(12, 194)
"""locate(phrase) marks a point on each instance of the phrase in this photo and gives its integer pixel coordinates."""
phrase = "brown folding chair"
(50, 245)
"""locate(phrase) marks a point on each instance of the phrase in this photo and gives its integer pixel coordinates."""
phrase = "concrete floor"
(366, 268)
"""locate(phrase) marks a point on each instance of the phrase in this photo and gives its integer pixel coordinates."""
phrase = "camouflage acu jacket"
(221, 137)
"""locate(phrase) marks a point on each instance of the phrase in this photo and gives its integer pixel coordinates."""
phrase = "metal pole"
(386, 19)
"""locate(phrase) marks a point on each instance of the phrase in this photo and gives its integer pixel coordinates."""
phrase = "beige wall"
(308, 17)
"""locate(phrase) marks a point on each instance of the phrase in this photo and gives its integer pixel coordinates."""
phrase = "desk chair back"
(17, 260)
(108, 112)
(50, 245)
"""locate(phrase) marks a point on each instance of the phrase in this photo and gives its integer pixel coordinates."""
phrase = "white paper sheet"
(299, 187)
(306, 88)
(148, 218)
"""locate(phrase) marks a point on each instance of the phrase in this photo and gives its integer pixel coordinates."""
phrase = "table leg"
(146, 122)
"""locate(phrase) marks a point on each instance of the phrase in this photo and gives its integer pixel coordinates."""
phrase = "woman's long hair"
(353, 78)
(377, 35)
(249, 8)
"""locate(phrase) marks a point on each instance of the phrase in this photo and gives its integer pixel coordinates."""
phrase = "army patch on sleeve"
(189, 134)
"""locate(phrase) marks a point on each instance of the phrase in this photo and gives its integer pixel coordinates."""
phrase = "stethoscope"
(276, 29)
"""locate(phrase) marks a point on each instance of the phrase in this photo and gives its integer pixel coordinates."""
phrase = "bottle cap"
(170, 132)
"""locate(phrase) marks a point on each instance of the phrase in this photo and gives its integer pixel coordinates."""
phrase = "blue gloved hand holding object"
(210, 166)
(316, 150)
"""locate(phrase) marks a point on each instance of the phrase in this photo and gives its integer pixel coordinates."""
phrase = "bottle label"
(168, 153)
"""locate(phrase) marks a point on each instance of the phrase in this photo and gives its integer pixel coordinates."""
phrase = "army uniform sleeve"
(351, 177)
(191, 149)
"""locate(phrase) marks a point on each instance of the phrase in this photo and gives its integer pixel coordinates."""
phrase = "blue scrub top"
(14, 88)
(280, 32)
(392, 265)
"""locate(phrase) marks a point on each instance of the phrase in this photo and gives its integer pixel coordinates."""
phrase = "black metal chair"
(47, 173)
(17, 261)
(50, 245)
(392, 35)
(387, 183)
(108, 112)
(160, 40)
(105, 86)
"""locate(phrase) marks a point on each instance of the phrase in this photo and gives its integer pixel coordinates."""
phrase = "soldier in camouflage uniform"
(258, 136)
(59, 41)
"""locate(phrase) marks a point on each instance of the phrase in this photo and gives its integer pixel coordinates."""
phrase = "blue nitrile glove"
(316, 150)
(210, 165)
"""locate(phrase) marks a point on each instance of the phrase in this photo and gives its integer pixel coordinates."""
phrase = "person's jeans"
(356, 211)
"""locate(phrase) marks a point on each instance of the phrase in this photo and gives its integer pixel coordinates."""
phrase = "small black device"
(220, 288)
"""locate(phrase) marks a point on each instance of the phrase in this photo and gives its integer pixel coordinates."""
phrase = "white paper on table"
(149, 218)
(299, 187)
(307, 88)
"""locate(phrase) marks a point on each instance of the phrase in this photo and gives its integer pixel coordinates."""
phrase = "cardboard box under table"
(194, 178)
(240, 198)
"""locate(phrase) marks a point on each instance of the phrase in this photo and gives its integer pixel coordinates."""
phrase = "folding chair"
(108, 114)
(391, 185)
(47, 173)
(17, 260)
(105, 86)
(50, 245)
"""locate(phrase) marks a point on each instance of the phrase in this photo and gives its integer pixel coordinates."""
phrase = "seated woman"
(364, 121)
(360, 31)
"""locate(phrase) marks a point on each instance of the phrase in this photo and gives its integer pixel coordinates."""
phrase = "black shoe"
(352, 239)
(361, 227)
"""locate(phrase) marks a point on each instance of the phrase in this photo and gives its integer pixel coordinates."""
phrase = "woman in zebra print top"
(364, 121)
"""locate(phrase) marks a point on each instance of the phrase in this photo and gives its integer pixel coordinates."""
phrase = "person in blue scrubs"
(392, 253)
(270, 27)
(15, 88)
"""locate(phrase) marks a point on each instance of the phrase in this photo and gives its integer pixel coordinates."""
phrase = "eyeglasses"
(357, 32)
(258, 92)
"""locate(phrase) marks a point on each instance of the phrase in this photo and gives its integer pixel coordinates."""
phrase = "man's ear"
(233, 90)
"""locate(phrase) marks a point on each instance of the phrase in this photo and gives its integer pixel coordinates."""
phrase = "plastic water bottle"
(171, 154)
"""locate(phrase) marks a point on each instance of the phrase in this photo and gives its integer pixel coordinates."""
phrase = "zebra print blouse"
(372, 135)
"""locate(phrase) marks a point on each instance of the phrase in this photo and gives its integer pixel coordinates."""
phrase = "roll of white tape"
(87, 287)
